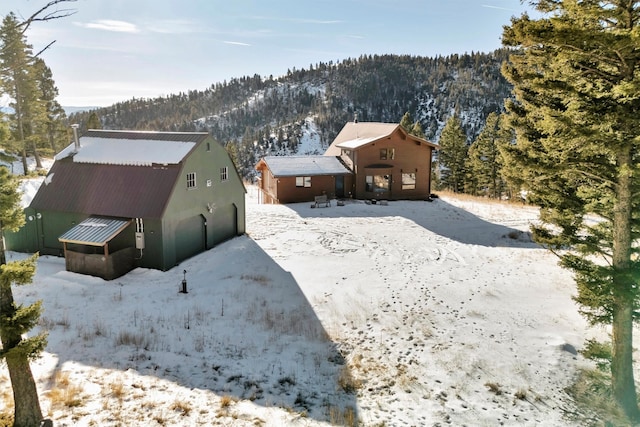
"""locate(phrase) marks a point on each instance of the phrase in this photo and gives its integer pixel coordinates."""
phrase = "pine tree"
(17, 78)
(93, 122)
(416, 130)
(412, 128)
(453, 155)
(53, 130)
(16, 320)
(406, 122)
(485, 160)
(4, 131)
(576, 77)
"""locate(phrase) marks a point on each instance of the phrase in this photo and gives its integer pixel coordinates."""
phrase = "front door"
(340, 186)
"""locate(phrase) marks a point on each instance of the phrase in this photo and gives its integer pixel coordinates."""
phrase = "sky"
(112, 51)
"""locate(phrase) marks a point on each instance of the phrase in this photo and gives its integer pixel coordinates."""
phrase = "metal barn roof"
(95, 231)
(107, 190)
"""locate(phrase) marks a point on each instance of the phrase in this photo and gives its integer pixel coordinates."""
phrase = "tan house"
(383, 161)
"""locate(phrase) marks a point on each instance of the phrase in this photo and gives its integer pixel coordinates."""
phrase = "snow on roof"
(352, 144)
(133, 152)
(355, 135)
(305, 165)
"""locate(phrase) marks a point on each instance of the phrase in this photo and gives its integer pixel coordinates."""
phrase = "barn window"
(224, 173)
(387, 153)
(191, 180)
(303, 181)
(409, 181)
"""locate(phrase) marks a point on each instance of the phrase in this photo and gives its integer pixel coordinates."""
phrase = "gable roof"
(132, 147)
(358, 134)
(281, 166)
(117, 173)
(98, 189)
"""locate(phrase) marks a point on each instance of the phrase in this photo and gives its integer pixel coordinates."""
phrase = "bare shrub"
(593, 397)
(6, 413)
(521, 394)
(46, 324)
(226, 401)
(494, 388)
(403, 378)
(160, 419)
(257, 278)
(136, 340)
(347, 382)
(65, 393)
(181, 406)
(117, 389)
(342, 416)
(100, 328)
(296, 321)
(63, 321)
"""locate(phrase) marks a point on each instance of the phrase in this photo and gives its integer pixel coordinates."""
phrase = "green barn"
(116, 200)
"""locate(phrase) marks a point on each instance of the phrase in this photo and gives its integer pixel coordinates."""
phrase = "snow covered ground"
(409, 314)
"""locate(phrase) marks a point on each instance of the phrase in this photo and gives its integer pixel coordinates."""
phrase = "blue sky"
(113, 50)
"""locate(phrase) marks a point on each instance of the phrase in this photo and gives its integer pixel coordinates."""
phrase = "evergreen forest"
(258, 115)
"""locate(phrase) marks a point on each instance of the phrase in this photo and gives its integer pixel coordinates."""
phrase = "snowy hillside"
(409, 314)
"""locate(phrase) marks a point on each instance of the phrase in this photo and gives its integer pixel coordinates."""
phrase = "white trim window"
(409, 181)
(224, 174)
(303, 181)
(191, 180)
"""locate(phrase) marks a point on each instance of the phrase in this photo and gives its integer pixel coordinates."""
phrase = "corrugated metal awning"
(95, 231)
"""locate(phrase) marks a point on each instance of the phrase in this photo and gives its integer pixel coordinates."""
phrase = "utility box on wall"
(139, 240)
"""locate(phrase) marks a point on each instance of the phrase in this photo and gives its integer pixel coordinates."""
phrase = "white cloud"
(236, 43)
(110, 25)
(488, 6)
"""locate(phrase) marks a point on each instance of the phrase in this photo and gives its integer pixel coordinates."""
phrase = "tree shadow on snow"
(437, 216)
(244, 329)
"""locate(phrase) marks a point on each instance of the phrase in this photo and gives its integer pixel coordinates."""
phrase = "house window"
(191, 180)
(377, 183)
(224, 173)
(387, 153)
(303, 181)
(208, 146)
(409, 181)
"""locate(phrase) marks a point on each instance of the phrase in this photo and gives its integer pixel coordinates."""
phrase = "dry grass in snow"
(414, 313)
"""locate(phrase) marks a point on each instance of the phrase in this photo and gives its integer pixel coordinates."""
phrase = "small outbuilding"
(116, 200)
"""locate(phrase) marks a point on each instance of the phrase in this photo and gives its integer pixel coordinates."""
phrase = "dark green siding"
(189, 238)
(194, 219)
(224, 224)
(217, 209)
